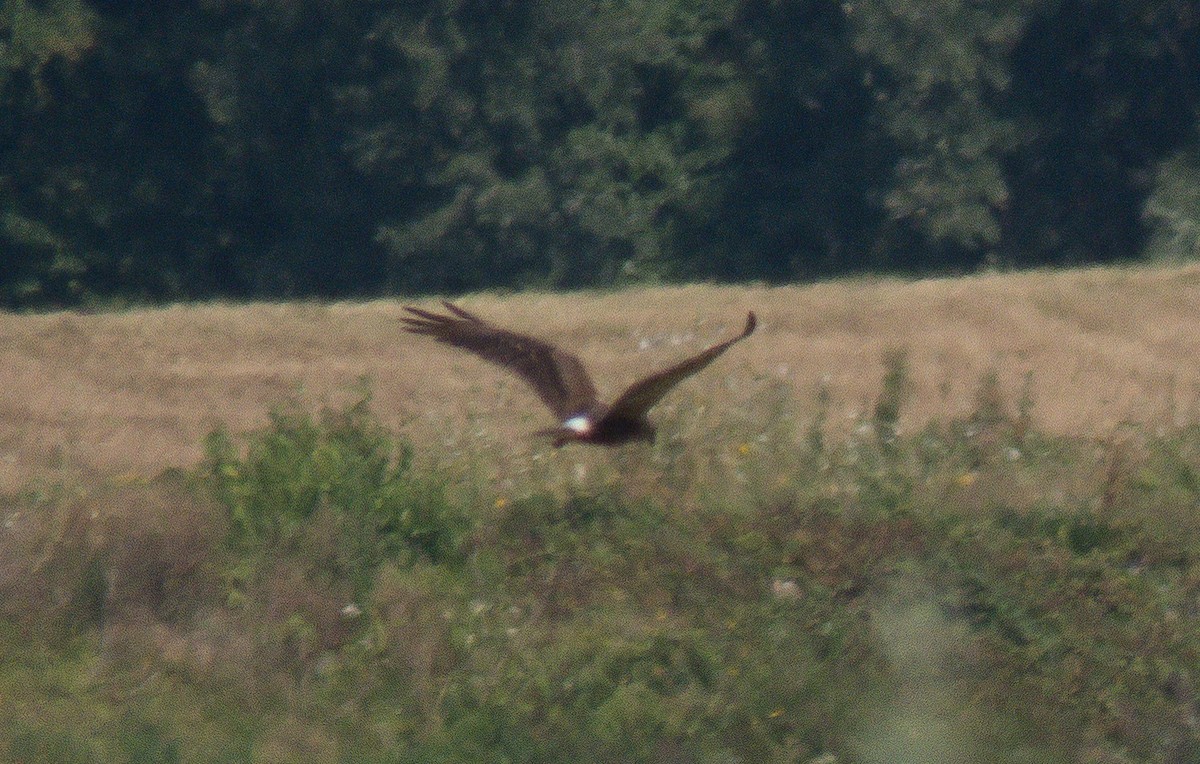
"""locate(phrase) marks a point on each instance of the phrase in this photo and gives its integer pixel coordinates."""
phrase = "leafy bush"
(1075, 613)
(342, 472)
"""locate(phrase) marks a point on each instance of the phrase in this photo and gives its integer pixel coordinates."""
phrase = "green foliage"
(891, 398)
(38, 32)
(1138, 109)
(227, 149)
(1173, 208)
(1089, 617)
(938, 69)
(623, 621)
(593, 134)
(608, 630)
(35, 34)
(345, 469)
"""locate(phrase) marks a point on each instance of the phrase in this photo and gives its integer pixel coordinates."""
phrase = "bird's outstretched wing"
(556, 376)
(641, 396)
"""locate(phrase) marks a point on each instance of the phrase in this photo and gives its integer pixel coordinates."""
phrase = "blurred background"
(289, 148)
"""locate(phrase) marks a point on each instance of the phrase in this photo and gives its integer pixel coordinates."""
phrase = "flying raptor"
(560, 379)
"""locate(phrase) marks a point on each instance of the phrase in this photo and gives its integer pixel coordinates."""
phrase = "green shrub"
(342, 473)
(1082, 619)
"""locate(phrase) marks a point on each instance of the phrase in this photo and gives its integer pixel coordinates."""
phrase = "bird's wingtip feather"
(424, 314)
(461, 313)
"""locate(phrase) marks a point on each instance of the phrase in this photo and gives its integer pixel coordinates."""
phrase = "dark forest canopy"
(239, 148)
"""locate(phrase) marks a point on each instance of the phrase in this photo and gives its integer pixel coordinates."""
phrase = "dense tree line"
(199, 148)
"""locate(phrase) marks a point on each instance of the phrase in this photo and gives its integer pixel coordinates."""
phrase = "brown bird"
(560, 380)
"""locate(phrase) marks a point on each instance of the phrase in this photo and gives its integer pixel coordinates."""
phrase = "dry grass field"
(133, 392)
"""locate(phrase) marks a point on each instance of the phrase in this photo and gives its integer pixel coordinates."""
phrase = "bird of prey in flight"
(559, 378)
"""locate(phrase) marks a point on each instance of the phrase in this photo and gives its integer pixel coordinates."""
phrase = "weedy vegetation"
(823, 570)
(751, 592)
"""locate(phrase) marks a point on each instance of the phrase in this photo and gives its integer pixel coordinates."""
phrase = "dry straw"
(136, 391)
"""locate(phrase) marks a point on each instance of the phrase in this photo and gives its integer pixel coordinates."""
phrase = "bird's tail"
(558, 436)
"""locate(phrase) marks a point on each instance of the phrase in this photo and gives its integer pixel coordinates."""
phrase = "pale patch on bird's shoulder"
(580, 423)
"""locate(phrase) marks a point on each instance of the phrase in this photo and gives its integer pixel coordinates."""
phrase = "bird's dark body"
(615, 431)
(561, 381)
(608, 431)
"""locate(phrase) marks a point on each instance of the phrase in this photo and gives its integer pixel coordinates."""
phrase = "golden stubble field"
(130, 393)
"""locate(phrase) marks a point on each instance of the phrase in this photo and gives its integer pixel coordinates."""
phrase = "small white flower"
(785, 589)
(351, 611)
